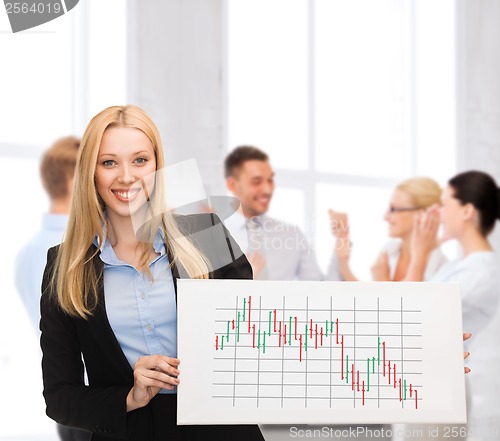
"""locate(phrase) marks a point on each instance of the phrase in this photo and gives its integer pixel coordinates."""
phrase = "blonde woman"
(109, 290)
(410, 197)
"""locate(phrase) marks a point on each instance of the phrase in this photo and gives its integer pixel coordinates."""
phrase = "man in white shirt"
(277, 250)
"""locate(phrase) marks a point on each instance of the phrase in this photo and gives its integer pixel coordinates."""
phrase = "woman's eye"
(108, 163)
(141, 160)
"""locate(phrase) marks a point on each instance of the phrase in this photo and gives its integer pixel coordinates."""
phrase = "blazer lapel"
(100, 328)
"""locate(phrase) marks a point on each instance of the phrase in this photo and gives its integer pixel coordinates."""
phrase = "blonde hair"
(423, 191)
(76, 280)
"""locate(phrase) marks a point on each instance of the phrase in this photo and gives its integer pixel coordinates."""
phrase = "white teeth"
(126, 194)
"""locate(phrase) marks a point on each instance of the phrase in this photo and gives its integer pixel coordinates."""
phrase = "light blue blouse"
(142, 313)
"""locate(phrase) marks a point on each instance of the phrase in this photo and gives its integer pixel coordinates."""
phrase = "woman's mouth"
(126, 195)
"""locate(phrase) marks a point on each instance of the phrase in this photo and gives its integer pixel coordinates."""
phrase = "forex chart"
(277, 352)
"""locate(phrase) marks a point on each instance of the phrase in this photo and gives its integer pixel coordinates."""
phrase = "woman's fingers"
(157, 371)
(425, 229)
(152, 373)
(434, 221)
(429, 221)
(466, 336)
(169, 367)
(153, 361)
(158, 378)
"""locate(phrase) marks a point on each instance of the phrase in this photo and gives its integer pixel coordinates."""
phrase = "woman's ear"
(470, 213)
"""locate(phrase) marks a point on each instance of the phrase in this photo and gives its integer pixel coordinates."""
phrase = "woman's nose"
(126, 175)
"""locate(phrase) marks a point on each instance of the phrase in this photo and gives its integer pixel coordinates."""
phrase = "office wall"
(478, 32)
(174, 68)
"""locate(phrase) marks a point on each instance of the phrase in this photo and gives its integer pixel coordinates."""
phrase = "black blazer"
(100, 407)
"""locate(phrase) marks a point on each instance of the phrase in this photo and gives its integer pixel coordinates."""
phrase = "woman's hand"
(152, 373)
(467, 335)
(424, 235)
(380, 269)
(423, 242)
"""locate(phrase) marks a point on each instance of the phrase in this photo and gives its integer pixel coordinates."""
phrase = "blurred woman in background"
(468, 214)
(410, 197)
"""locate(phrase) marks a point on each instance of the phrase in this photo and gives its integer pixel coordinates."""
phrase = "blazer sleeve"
(68, 400)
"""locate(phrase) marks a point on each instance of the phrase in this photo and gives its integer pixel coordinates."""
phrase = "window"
(348, 97)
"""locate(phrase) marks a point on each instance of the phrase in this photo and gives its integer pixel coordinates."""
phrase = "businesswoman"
(468, 214)
(109, 290)
(409, 197)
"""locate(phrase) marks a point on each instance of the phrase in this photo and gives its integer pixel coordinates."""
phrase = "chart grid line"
(270, 330)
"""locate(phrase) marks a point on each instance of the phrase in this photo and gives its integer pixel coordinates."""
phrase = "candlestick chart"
(357, 354)
(319, 352)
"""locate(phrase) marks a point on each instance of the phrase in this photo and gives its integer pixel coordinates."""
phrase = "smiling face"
(125, 171)
(400, 222)
(253, 185)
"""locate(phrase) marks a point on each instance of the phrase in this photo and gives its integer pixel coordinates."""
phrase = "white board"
(268, 352)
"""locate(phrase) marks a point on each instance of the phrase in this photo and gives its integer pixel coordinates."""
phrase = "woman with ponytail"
(108, 304)
(468, 214)
(410, 197)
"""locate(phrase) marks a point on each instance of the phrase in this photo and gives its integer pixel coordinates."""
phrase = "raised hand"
(339, 224)
(424, 235)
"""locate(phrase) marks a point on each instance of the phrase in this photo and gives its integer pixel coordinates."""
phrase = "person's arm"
(343, 254)
(339, 225)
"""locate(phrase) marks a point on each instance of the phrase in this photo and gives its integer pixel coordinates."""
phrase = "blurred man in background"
(277, 250)
(57, 170)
